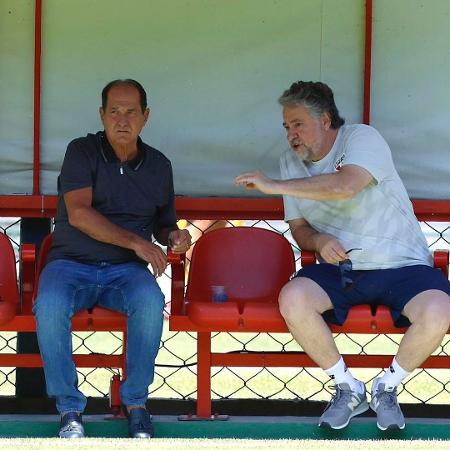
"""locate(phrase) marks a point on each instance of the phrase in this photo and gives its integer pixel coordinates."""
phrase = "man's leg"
(133, 290)
(429, 314)
(302, 302)
(59, 297)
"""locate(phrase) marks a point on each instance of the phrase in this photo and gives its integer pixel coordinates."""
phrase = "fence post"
(30, 383)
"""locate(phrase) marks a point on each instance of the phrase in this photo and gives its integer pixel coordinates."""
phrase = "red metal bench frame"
(40, 206)
(204, 318)
(21, 319)
(97, 319)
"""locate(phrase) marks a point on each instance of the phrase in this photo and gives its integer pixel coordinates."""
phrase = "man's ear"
(147, 114)
(101, 111)
(326, 120)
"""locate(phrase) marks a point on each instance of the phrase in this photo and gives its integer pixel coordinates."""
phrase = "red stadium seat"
(9, 293)
(252, 265)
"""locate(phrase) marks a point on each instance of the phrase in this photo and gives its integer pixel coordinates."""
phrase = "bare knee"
(434, 312)
(292, 300)
(302, 297)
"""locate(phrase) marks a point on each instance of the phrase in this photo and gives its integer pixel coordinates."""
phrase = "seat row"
(249, 265)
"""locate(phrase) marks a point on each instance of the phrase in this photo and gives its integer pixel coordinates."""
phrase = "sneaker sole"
(361, 409)
(71, 436)
(391, 427)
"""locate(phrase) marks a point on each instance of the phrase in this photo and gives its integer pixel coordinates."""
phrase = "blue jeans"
(66, 287)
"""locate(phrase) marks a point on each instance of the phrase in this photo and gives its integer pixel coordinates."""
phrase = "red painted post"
(204, 374)
(367, 62)
(37, 96)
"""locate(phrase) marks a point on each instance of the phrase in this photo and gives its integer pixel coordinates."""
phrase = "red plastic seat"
(252, 264)
(9, 293)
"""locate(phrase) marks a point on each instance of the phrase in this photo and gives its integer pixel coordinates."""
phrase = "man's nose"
(122, 119)
(292, 134)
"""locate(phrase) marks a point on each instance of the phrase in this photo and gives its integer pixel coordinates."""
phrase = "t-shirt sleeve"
(166, 213)
(76, 172)
(367, 148)
(290, 203)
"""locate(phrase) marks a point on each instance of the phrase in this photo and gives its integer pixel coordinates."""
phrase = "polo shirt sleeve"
(367, 148)
(166, 216)
(76, 171)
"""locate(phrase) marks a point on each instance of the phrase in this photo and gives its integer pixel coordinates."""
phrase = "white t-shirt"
(379, 219)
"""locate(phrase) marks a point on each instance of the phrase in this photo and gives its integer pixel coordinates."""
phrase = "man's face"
(123, 118)
(305, 133)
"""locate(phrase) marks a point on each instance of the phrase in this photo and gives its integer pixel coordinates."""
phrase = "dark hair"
(126, 82)
(317, 97)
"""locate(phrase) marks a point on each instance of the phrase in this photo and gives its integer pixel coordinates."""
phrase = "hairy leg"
(302, 301)
(429, 313)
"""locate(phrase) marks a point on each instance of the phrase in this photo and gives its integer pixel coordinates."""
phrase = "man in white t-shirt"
(344, 200)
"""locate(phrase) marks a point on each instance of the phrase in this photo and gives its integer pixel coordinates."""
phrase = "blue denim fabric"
(66, 287)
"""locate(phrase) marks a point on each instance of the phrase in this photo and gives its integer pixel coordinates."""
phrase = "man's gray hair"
(317, 97)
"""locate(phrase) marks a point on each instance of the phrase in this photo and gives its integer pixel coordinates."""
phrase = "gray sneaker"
(384, 403)
(71, 426)
(344, 405)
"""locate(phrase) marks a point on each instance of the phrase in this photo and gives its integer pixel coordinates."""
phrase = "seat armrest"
(440, 260)
(307, 258)
(177, 262)
(28, 271)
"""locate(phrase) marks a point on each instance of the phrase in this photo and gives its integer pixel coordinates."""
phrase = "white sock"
(393, 376)
(339, 373)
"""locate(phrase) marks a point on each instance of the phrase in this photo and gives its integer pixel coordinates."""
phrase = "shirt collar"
(110, 156)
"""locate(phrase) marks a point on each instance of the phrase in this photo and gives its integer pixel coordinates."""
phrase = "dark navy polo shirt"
(137, 195)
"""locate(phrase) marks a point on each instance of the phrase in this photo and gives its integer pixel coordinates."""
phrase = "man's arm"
(345, 183)
(86, 219)
(326, 245)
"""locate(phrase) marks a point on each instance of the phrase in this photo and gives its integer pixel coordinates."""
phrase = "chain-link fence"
(175, 376)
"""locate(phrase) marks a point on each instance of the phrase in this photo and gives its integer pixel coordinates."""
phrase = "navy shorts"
(391, 287)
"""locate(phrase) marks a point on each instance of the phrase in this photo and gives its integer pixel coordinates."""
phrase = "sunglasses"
(345, 268)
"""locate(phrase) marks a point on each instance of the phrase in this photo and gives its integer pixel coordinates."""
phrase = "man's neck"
(125, 152)
(330, 139)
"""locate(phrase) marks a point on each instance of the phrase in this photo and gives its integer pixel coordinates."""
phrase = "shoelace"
(387, 398)
(335, 397)
(72, 426)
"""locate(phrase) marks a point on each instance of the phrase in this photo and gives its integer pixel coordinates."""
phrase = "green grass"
(219, 444)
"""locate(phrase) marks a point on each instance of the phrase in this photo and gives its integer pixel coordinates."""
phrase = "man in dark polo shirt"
(115, 192)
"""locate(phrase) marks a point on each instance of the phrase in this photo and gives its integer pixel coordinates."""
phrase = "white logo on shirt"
(338, 163)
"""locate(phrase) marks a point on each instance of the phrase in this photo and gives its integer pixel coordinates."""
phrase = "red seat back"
(251, 263)
(9, 292)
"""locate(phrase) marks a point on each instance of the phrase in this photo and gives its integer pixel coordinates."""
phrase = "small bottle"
(219, 294)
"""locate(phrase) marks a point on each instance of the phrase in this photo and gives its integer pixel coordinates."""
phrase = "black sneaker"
(140, 423)
(71, 426)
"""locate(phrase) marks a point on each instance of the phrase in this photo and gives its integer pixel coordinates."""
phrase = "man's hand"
(152, 254)
(257, 180)
(179, 241)
(330, 249)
